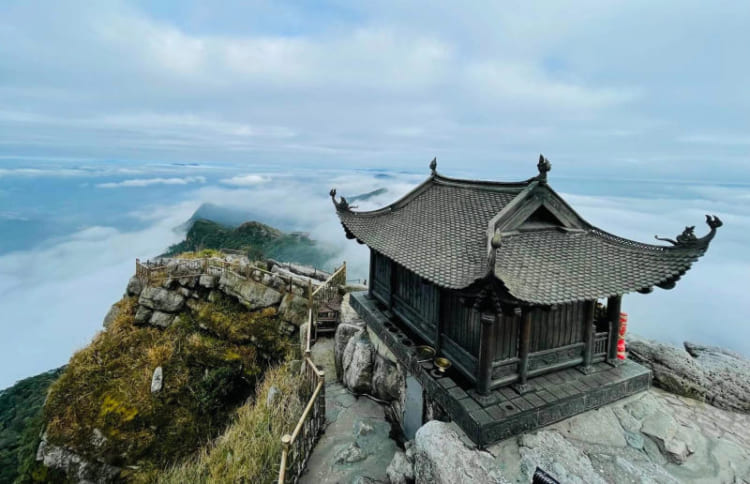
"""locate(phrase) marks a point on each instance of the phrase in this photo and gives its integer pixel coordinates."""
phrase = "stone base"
(504, 412)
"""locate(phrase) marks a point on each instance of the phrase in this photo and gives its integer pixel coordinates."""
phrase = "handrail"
(316, 403)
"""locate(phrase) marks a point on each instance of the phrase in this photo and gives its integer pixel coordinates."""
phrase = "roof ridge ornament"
(433, 166)
(543, 166)
(342, 205)
(687, 238)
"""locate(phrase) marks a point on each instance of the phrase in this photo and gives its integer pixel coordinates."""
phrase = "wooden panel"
(416, 301)
(461, 359)
(381, 278)
(558, 327)
(460, 322)
(506, 344)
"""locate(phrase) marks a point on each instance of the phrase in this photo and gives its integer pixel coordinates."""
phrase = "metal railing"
(600, 344)
(297, 446)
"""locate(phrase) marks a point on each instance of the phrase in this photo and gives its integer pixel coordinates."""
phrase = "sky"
(119, 119)
(605, 88)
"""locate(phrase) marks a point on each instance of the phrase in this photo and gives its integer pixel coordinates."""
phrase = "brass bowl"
(424, 352)
(442, 364)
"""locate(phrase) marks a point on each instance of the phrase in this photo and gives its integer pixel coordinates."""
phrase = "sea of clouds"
(54, 296)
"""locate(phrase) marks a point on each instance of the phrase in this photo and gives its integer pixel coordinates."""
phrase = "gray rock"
(662, 429)
(142, 315)
(357, 361)
(185, 292)
(250, 293)
(161, 299)
(273, 395)
(350, 454)
(112, 314)
(74, 466)
(441, 457)
(98, 439)
(161, 320)
(548, 450)
(388, 381)
(135, 286)
(157, 380)
(214, 296)
(711, 374)
(208, 281)
(400, 470)
(293, 309)
(344, 332)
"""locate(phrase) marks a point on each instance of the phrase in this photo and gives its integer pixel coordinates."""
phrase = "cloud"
(54, 299)
(379, 85)
(146, 182)
(245, 180)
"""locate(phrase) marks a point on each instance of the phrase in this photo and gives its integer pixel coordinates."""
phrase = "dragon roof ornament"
(687, 238)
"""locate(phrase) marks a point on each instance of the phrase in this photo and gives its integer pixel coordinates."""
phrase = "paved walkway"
(355, 447)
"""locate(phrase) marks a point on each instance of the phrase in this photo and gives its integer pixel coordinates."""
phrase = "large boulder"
(160, 299)
(388, 380)
(549, 451)
(293, 309)
(112, 314)
(441, 457)
(161, 319)
(135, 286)
(344, 332)
(252, 294)
(358, 361)
(400, 470)
(715, 375)
(74, 466)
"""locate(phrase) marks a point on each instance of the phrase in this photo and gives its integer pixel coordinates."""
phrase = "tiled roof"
(440, 232)
(437, 231)
(553, 266)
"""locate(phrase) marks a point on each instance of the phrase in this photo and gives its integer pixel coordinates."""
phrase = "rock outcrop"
(654, 436)
(441, 457)
(75, 467)
(357, 363)
(711, 374)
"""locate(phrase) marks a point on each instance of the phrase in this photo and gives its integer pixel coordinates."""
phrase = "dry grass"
(249, 451)
(206, 376)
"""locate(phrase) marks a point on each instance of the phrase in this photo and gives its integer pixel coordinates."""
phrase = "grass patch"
(250, 448)
(209, 369)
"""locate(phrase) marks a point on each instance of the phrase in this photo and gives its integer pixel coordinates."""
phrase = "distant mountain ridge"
(257, 240)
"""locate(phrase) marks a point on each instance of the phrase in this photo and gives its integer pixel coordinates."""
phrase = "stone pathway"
(356, 447)
(654, 436)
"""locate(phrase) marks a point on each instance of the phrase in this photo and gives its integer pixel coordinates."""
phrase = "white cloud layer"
(146, 182)
(245, 180)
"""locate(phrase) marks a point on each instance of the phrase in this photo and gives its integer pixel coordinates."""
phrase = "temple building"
(511, 286)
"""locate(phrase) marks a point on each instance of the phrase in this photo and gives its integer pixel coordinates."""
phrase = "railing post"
(286, 441)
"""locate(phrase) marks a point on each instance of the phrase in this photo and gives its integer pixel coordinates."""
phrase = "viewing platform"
(503, 412)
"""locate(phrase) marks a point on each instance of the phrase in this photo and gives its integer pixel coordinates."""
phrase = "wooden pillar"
(523, 351)
(614, 305)
(486, 351)
(588, 334)
(371, 282)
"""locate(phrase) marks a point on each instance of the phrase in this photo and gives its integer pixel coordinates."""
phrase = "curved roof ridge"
(435, 178)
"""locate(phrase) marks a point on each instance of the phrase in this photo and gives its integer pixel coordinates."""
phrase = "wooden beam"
(523, 352)
(614, 305)
(588, 334)
(488, 332)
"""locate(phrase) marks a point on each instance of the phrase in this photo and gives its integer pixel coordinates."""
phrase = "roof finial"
(688, 239)
(342, 205)
(543, 166)
(433, 165)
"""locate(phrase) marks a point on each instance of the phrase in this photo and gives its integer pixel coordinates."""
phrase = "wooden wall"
(416, 301)
(554, 328)
(380, 279)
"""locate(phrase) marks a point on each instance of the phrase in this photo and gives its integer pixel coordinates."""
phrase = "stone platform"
(504, 412)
